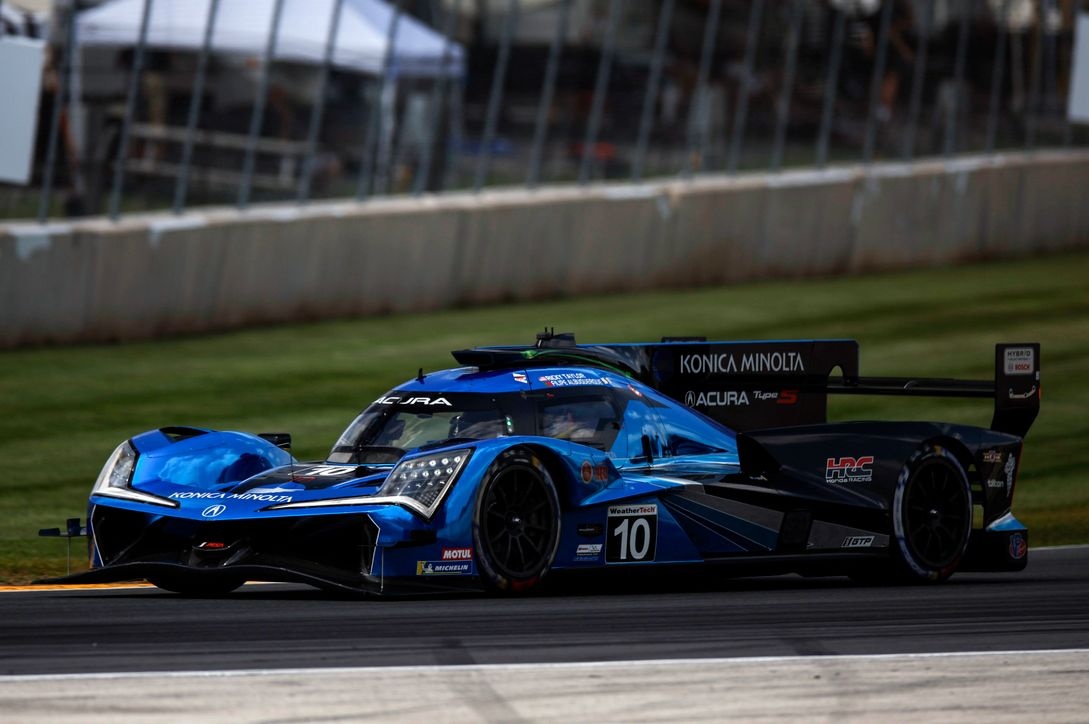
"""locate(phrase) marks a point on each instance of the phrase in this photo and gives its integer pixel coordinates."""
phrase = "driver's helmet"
(569, 422)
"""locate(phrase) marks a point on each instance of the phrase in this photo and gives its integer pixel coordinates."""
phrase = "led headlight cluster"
(418, 484)
(116, 477)
(425, 479)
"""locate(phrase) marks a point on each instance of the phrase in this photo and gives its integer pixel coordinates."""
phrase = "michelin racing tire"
(516, 524)
(932, 516)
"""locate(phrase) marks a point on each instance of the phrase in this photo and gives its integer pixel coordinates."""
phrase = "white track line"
(572, 665)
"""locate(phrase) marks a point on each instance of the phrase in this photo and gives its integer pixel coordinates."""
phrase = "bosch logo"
(213, 511)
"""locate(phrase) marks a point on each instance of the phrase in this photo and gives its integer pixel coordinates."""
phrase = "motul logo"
(457, 554)
(849, 470)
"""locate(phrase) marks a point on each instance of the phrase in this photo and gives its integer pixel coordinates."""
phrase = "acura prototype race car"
(556, 457)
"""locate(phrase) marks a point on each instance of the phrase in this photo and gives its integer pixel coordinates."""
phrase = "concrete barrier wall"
(219, 268)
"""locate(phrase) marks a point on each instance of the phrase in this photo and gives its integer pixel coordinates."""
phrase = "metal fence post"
(998, 75)
(1032, 109)
(742, 111)
(374, 115)
(831, 86)
(697, 109)
(181, 187)
(317, 111)
(548, 89)
(130, 111)
(62, 96)
(782, 110)
(1068, 128)
(484, 156)
(646, 118)
(875, 81)
(918, 78)
(601, 88)
(437, 100)
(258, 115)
(957, 111)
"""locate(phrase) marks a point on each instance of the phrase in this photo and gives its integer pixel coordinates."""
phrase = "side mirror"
(281, 440)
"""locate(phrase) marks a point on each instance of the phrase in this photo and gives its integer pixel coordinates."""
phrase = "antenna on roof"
(549, 338)
(420, 375)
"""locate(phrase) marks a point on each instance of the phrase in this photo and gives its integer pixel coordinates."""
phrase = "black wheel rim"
(936, 515)
(518, 523)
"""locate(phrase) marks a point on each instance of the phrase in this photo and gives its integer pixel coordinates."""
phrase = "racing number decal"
(633, 533)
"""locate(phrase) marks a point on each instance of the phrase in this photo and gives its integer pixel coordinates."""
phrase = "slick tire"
(931, 516)
(196, 589)
(516, 523)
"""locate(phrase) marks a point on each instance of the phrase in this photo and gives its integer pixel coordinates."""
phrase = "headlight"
(425, 479)
(116, 476)
(419, 484)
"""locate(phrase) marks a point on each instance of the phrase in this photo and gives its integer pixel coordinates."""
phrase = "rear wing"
(761, 384)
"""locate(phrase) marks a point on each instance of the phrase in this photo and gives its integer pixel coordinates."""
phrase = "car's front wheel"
(516, 528)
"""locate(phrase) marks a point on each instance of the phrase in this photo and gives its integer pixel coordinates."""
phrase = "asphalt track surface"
(290, 627)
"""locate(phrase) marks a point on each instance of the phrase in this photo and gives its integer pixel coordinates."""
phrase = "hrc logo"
(849, 470)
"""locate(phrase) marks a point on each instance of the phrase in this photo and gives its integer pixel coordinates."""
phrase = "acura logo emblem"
(690, 398)
(213, 511)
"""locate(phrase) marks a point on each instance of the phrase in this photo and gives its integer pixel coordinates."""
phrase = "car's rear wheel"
(197, 588)
(932, 515)
(516, 528)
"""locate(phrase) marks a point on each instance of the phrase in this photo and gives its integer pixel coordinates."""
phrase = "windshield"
(385, 431)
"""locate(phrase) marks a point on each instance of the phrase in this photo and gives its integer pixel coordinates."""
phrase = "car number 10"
(633, 532)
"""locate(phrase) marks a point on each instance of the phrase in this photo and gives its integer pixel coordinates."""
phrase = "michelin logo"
(444, 568)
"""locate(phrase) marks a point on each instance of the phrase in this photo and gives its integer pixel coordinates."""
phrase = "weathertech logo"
(849, 470)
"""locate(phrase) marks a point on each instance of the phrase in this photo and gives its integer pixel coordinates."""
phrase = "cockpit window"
(585, 420)
(387, 430)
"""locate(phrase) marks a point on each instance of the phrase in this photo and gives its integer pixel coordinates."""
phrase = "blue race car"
(560, 457)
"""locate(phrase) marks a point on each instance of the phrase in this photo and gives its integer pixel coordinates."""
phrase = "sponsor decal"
(1011, 466)
(992, 483)
(857, 541)
(571, 379)
(426, 401)
(1019, 361)
(645, 509)
(633, 533)
(849, 470)
(992, 456)
(259, 497)
(1018, 547)
(588, 552)
(444, 568)
(590, 471)
(520, 377)
(590, 530)
(327, 471)
(751, 362)
(716, 398)
(782, 397)
(457, 554)
(1022, 396)
(213, 511)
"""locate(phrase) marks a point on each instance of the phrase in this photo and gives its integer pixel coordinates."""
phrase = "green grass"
(62, 410)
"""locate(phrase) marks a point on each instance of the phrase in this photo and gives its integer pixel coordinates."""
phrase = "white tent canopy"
(243, 27)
